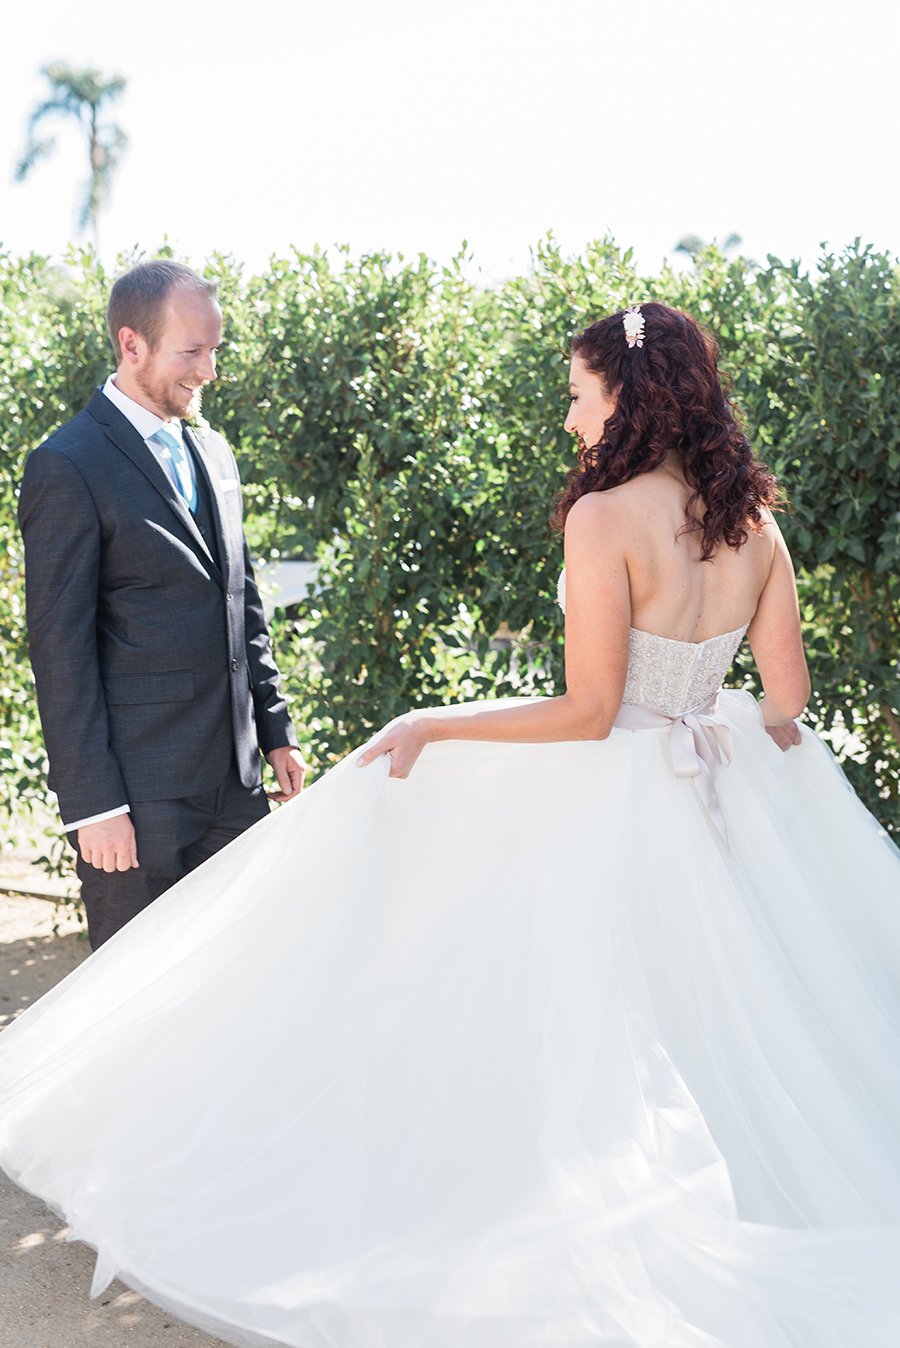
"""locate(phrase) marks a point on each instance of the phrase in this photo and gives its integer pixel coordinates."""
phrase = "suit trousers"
(173, 837)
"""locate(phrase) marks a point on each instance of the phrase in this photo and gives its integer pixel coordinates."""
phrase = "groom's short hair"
(138, 298)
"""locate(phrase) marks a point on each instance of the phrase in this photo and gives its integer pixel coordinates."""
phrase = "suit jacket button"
(234, 664)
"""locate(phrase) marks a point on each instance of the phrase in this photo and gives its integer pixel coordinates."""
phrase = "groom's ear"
(132, 346)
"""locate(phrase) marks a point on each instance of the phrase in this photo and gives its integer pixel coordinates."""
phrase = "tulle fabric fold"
(516, 1053)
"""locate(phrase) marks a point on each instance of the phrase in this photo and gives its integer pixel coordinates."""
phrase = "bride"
(587, 1034)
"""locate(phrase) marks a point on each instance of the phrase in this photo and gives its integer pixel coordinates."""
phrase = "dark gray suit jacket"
(152, 663)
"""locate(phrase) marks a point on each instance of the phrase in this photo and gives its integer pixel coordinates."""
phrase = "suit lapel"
(126, 439)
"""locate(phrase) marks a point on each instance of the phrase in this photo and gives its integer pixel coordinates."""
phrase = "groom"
(155, 679)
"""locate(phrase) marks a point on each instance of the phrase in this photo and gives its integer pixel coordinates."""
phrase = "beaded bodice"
(671, 676)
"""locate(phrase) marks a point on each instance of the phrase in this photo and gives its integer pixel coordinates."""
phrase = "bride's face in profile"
(591, 404)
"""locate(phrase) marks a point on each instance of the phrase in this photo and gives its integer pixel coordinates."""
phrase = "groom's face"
(171, 374)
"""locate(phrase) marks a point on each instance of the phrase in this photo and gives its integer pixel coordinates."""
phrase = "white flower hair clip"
(633, 321)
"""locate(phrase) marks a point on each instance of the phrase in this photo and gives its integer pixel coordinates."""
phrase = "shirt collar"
(145, 422)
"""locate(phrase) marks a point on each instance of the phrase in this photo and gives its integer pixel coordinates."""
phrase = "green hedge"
(52, 352)
(404, 427)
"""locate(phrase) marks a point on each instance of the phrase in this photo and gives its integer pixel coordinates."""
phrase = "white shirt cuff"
(96, 818)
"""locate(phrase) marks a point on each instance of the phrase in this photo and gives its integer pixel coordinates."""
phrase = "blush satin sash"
(699, 742)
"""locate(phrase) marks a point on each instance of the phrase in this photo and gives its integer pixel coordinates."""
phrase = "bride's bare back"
(676, 595)
(673, 593)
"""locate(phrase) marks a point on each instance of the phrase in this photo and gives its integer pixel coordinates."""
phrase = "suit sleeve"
(273, 723)
(62, 536)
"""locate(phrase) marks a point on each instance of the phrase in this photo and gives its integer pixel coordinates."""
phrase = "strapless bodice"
(673, 677)
(668, 676)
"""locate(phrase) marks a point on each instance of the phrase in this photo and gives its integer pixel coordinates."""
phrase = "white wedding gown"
(565, 1045)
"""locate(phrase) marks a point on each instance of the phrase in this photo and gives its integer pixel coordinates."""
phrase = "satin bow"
(700, 742)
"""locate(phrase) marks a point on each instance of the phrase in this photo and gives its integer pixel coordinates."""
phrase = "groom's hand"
(290, 770)
(109, 845)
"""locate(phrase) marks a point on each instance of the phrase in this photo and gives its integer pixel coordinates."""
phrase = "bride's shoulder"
(608, 519)
(769, 524)
(601, 509)
(767, 536)
(593, 529)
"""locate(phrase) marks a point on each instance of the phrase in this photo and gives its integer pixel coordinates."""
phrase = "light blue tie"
(181, 466)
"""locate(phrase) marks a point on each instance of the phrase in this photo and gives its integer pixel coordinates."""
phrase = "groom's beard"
(168, 397)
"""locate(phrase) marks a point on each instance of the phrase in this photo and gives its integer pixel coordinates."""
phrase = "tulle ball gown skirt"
(521, 1051)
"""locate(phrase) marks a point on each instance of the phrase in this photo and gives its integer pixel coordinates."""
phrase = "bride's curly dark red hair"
(669, 395)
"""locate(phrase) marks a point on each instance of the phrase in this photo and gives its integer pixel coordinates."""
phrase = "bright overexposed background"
(409, 125)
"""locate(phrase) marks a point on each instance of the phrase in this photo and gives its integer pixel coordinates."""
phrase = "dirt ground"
(44, 1281)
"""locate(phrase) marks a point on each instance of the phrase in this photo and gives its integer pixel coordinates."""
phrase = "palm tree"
(692, 244)
(80, 94)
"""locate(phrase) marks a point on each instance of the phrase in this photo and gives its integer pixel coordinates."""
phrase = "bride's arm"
(598, 614)
(776, 640)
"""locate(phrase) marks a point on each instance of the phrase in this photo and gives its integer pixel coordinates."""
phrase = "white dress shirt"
(146, 423)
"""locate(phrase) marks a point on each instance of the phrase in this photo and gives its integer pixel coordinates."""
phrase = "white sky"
(409, 125)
